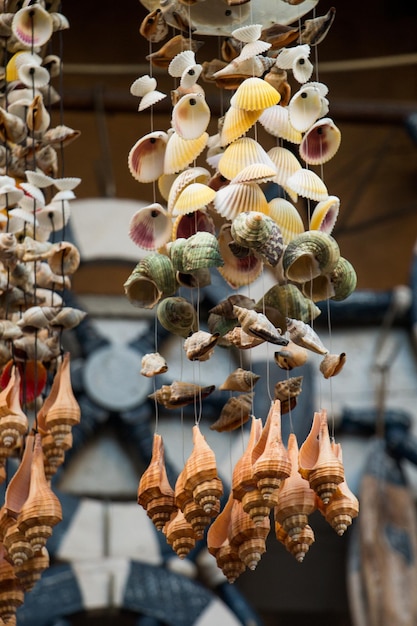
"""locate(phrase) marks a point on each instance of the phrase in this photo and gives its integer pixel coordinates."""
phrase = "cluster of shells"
(212, 214)
(37, 406)
(269, 480)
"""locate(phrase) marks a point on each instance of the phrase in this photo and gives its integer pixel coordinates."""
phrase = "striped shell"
(180, 393)
(287, 217)
(236, 123)
(180, 182)
(181, 152)
(234, 198)
(325, 214)
(310, 254)
(240, 380)
(177, 315)
(234, 413)
(254, 94)
(303, 335)
(239, 154)
(237, 271)
(259, 232)
(307, 184)
(276, 121)
(289, 301)
(193, 197)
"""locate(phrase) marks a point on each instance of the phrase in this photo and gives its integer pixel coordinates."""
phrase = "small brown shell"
(291, 356)
(234, 413)
(240, 380)
(332, 364)
(153, 364)
(288, 388)
(180, 393)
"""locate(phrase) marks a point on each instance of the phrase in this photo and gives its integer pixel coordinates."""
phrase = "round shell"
(304, 108)
(153, 364)
(246, 34)
(180, 181)
(33, 75)
(289, 302)
(237, 271)
(237, 197)
(32, 25)
(239, 154)
(181, 62)
(276, 122)
(236, 123)
(143, 85)
(146, 157)
(190, 116)
(201, 251)
(193, 197)
(286, 164)
(177, 315)
(150, 227)
(160, 269)
(321, 142)
(287, 56)
(287, 217)
(181, 152)
(259, 232)
(310, 254)
(325, 215)
(343, 279)
(254, 94)
(307, 184)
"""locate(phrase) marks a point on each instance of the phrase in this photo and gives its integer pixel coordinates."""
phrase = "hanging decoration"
(211, 214)
(37, 405)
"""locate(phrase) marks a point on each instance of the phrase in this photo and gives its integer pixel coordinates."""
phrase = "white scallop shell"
(151, 98)
(321, 142)
(181, 152)
(33, 197)
(33, 75)
(287, 56)
(237, 197)
(276, 122)
(305, 108)
(286, 163)
(190, 116)
(247, 34)
(241, 153)
(252, 49)
(191, 175)
(287, 217)
(146, 157)
(150, 227)
(65, 184)
(302, 69)
(307, 184)
(180, 62)
(39, 179)
(256, 173)
(54, 216)
(143, 85)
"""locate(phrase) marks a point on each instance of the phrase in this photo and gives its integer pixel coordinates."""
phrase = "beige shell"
(37, 118)
(237, 197)
(153, 26)
(240, 380)
(155, 494)
(307, 184)
(286, 164)
(315, 29)
(325, 214)
(236, 123)
(193, 197)
(258, 324)
(242, 479)
(235, 412)
(32, 25)
(304, 335)
(179, 152)
(288, 388)
(276, 122)
(291, 356)
(146, 157)
(343, 506)
(242, 152)
(332, 364)
(243, 341)
(180, 535)
(199, 346)
(254, 94)
(321, 142)
(12, 128)
(248, 538)
(64, 258)
(310, 254)
(150, 227)
(237, 271)
(218, 545)
(153, 364)
(243, 68)
(30, 571)
(200, 471)
(180, 393)
(13, 421)
(180, 182)
(305, 107)
(175, 45)
(190, 116)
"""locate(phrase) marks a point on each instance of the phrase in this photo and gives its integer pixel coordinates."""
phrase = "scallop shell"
(235, 412)
(154, 27)
(286, 57)
(150, 227)
(153, 364)
(303, 335)
(239, 154)
(193, 197)
(254, 94)
(286, 164)
(247, 34)
(181, 62)
(188, 224)
(60, 136)
(180, 393)
(287, 217)
(310, 254)
(305, 107)
(190, 116)
(177, 315)
(237, 197)
(253, 49)
(325, 214)
(199, 346)
(236, 123)
(257, 172)
(32, 25)
(151, 98)
(143, 85)
(146, 157)
(240, 380)
(181, 152)
(180, 182)
(276, 121)
(321, 142)
(332, 364)
(307, 184)
(237, 271)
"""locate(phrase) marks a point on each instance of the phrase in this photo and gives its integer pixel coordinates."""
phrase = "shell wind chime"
(37, 406)
(212, 213)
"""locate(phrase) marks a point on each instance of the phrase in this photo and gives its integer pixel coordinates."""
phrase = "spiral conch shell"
(200, 474)
(259, 232)
(180, 394)
(13, 422)
(218, 544)
(240, 380)
(234, 413)
(310, 254)
(177, 315)
(303, 335)
(155, 494)
(258, 324)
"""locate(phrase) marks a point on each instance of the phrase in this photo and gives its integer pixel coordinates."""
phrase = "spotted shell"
(287, 217)
(310, 254)
(181, 152)
(234, 413)
(254, 94)
(146, 157)
(150, 227)
(177, 315)
(321, 142)
(288, 388)
(276, 121)
(190, 116)
(315, 29)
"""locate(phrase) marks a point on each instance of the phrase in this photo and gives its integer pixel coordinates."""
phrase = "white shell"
(143, 85)
(181, 62)
(276, 122)
(305, 108)
(253, 48)
(247, 34)
(307, 184)
(286, 163)
(190, 116)
(287, 56)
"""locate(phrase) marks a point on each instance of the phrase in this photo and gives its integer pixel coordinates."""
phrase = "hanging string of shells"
(211, 213)
(37, 406)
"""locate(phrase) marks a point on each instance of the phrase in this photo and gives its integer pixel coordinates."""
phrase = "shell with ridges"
(13, 421)
(237, 271)
(153, 364)
(180, 535)
(343, 279)
(199, 346)
(30, 571)
(146, 157)
(200, 467)
(218, 545)
(201, 250)
(193, 197)
(325, 214)
(288, 388)
(286, 164)
(242, 479)
(253, 49)
(190, 116)
(288, 301)
(155, 494)
(257, 231)
(32, 25)
(242, 152)
(240, 380)
(180, 62)
(276, 121)
(150, 227)
(243, 341)
(160, 269)
(235, 412)
(236, 123)
(247, 34)
(177, 315)
(180, 393)
(303, 335)
(307, 184)
(188, 224)
(258, 324)
(254, 94)
(179, 152)
(310, 254)
(248, 538)
(237, 197)
(180, 182)
(321, 142)
(343, 506)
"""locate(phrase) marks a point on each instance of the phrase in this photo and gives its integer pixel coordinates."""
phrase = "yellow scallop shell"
(237, 197)
(254, 94)
(195, 196)
(236, 123)
(287, 217)
(180, 182)
(307, 184)
(286, 163)
(256, 173)
(276, 122)
(181, 152)
(239, 154)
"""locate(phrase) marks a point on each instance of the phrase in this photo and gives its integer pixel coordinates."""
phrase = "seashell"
(146, 157)
(277, 78)
(180, 394)
(276, 121)
(288, 301)
(237, 197)
(53, 216)
(343, 280)
(193, 197)
(189, 224)
(9, 193)
(67, 318)
(218, 545)
(288, 388)
(33, 75)
(199, 346)
(303, 335)
(181, 152)
(197, 516)
(279, 35)
(236, 123)
(165, 54)
(151, 98)
(253, 49)
(153, 364)
(247, 34)
(31, 570)
(225, 307)
(177, 315)
(32, 25)
(240, 380)
(60, 136)
(9, 330)
(254, 94)
(291, 356)
(271, 463)
(53, 64)
(190, 116)
(242, 479)
(36, 317)
(142, 291)
(321, 142)
(64, 258)
(155, 494)
(201, 251)
(298, 545)
(13, 421)
(296, 59)
(286, 164)
(343, 506)
(18, 548)
(332, 364)
(37, 118)
(150, 227)
(153, 26)
(248, 538)
(12, 594)
(318, 461)
(198, 278)
(230, 49)
(242, 340)
(314, 30)
(12, 128)
(60, 411)
(180, 535)
(181, 62)
(257, 231)
(235, 412)
(159, 268)
(200, 471)
(180, 182)
(54, 454)
(307, 184)
(244, 68)
(325, 215)
(59, 21)
(257, 324)
(42, 509)
(310, 254)
(305, 107)
(256, 172)
(296, 499)
(143, 85)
